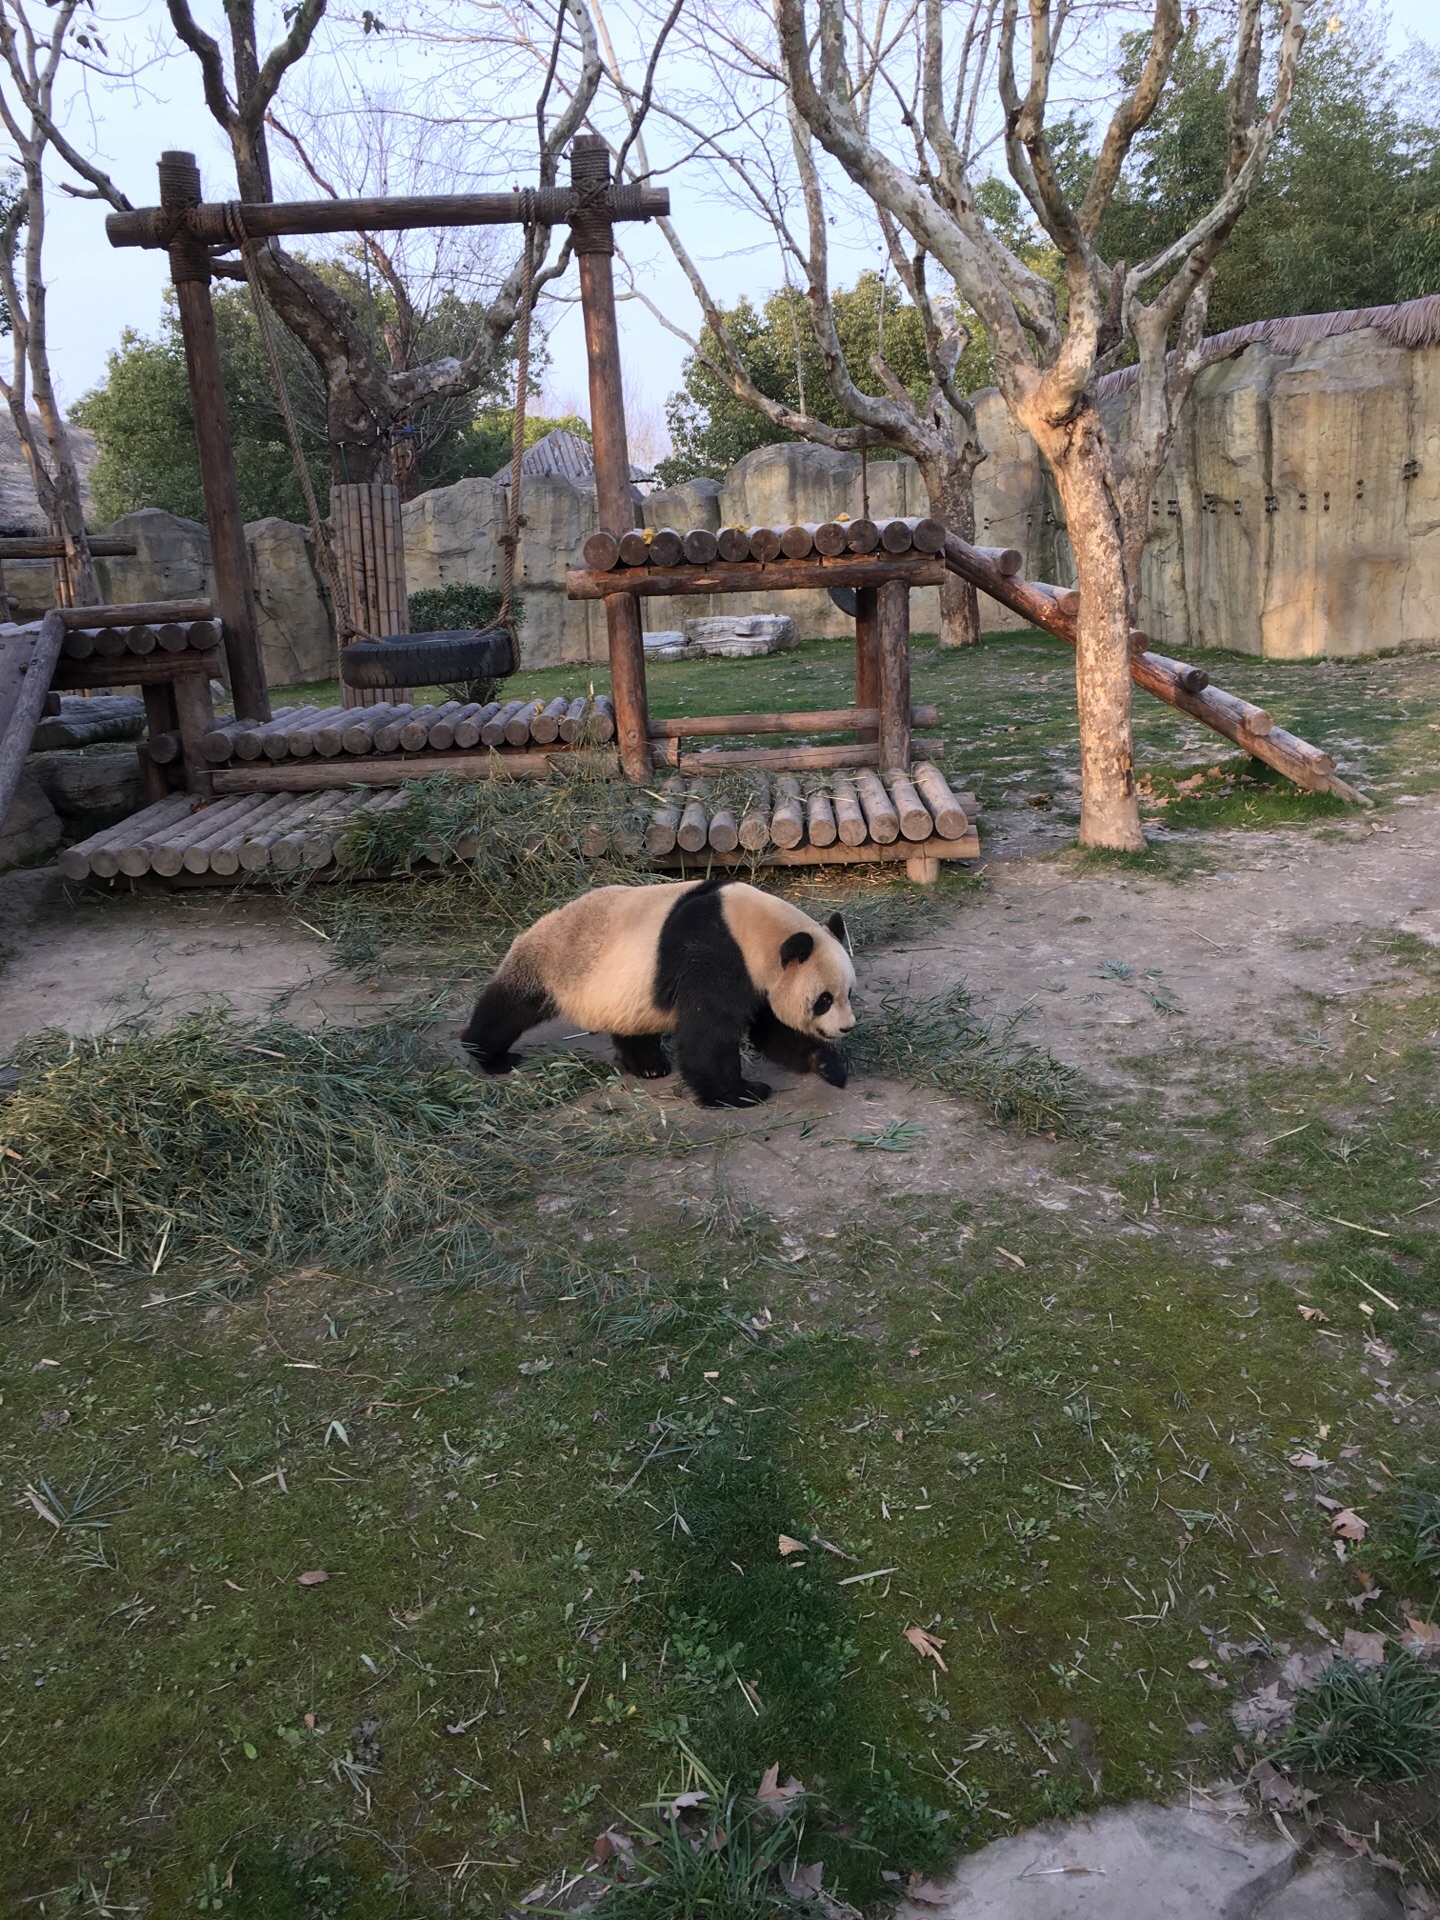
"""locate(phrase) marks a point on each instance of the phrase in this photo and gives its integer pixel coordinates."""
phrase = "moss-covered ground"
(342, 1592)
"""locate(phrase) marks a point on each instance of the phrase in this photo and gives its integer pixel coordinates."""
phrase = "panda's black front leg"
(642, 1054)
(798, 1051)
(707, 1049)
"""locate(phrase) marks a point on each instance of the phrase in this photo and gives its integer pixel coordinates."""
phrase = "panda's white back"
(596, 957)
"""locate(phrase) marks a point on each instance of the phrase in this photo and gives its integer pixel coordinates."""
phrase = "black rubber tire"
(844, 598)
(428, 659)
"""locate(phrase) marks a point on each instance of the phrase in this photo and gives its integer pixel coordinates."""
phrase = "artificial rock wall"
(1298, 516)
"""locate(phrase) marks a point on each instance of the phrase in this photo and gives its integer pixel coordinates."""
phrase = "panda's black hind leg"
(505, 1010)
(642, 1054)
(797, 1051)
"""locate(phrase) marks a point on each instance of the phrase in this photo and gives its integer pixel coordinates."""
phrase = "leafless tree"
(33, 55)
(367, 400)
(765, 154)
(1047, 350)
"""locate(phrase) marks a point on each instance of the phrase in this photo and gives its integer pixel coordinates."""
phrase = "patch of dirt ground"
(1134, 980)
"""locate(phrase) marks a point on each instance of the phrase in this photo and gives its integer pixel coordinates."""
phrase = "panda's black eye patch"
(823, 1004)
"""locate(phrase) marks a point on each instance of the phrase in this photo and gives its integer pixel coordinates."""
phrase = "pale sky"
(98, 291)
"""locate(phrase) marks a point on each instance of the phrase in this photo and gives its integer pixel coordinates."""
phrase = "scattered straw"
(248, 1148)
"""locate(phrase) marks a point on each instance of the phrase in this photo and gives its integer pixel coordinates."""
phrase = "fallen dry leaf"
(1278, 1792)
(789, 1544)
(1422, 1637)
(1365, 1649)
(1311, 1313)
(926, 1645)
(315, 1578)
(927, 1893)
(777, 1799)
(1347, 1525)
(1308, 1462)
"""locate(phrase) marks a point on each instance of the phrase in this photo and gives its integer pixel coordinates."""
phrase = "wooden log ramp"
(852, 816)
(1186, 688)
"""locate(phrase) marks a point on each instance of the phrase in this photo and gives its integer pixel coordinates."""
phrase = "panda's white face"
(813, 993)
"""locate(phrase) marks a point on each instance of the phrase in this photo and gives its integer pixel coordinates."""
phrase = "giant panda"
(711, 961)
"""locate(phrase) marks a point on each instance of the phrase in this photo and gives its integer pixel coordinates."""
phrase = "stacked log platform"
(914, 817)
(239, 838)
(305, 748)
(845, 817)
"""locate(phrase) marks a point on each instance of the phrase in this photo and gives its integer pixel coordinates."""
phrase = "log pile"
(763, 546)
(845, 816)
(141, 637)
(298, 733)
(253, 836)
(228, 839)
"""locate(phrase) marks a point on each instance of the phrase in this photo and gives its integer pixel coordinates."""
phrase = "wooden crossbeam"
(757, 576)
(215, 224)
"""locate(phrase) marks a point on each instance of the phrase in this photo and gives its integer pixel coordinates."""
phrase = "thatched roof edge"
(1412, 323)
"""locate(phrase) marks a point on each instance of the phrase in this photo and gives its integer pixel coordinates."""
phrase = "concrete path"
(1143, 1862)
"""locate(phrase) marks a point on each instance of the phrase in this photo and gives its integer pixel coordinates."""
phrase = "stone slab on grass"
(1144, 1862)
(742, 636)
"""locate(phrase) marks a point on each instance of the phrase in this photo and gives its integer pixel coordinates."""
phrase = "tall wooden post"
(893, 609)
(867, 658)
(594, 242)
(234, 592)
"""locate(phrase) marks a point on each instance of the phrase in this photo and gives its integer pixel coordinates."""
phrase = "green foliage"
(454, 608)
(1380, 1723)
(1420, 1512)
(145, 431)
(1348, 210)
(710, 429)
(485, 444)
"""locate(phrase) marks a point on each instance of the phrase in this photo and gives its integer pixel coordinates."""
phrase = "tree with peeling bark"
(1049, 350)
(370, 405)
(33, 56)
(765, 152)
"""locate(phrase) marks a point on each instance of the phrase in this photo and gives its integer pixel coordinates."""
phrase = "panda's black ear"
(836, 924)
(799, 946)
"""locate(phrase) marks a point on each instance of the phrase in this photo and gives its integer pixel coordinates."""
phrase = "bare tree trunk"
(1079, 458)
(950, 483)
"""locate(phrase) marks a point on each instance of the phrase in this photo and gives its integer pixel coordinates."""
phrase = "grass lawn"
(491, 1456)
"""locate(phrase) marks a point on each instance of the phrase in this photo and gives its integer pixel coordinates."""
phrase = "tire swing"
(412, 659)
